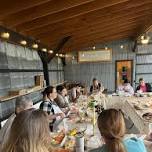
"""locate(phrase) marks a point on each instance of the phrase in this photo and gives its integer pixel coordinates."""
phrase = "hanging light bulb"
(145, 40)
(23, 42)
(60, 55)
(51, 51)
(121, 46)
(142, 37)
(5, 35)
(35, 46)
(106, 48)
(44, 49)
(93, 47)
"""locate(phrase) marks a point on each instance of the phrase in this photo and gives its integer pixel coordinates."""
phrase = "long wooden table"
(123, 103)
(126, 104)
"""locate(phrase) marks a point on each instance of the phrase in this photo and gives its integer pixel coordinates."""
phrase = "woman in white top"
(126, 89)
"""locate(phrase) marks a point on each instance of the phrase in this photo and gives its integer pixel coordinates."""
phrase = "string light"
(94, 47)
(5, 35)
(35, 46)
(23, 42)
(60, 55)
(106, 48)
(121, 46)
(145, 40)
(44, 49)
(51, 51)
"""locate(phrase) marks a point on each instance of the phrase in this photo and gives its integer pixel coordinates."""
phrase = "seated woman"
(29, 133)
(62, 99)
(22, 103)
(75, 92)
(143, 87)
(126, 89)
(50, 107)
(112, 128)
(96, 86)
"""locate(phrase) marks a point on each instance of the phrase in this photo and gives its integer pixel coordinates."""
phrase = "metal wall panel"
(144, 48)
(103, 71)
(144, 59)
(143, 68)
(12, 59)
(16, 58)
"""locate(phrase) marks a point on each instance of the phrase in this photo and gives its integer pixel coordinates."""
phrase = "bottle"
(80, 143)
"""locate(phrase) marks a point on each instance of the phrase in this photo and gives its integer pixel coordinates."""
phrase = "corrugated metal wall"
(14, 61)
(103, 71)
(56, 73)
(144, 63)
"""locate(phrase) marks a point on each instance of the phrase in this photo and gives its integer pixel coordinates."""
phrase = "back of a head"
(112, 128)
(29, 132)
(23, 103)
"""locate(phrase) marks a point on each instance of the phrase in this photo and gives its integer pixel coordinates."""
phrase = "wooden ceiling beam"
(8, 7)
(83, 46)
(73, 25)
(98, 31)
(92, 42)
(108, 29)
(67, 14)
(51, 7)
(100, 34)
(144, 29)
(108, 23)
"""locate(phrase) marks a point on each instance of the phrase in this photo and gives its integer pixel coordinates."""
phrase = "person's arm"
(101, 87)
(60, 101)
(131, 90)
(47, 107)
(91, 89)
(148, 87)
(53, 116)
(138, 88)
(75, 95)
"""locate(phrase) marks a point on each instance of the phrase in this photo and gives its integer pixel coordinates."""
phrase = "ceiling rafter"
(51, 7)
(75, 25)
(8, 7)
(67, 14)
(139, 18)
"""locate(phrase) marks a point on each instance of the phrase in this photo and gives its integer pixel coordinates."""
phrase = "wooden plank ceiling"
(88, 22)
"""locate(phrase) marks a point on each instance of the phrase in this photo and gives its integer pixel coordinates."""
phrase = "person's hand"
(60, 115)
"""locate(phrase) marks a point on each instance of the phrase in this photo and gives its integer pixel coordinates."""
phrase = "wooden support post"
(44, 59)
(46, 73)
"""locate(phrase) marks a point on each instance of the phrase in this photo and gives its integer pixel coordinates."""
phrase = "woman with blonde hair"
(29, 133)
(112, 128)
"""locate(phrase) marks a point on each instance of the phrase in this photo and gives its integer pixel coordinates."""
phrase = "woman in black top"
(96, 86)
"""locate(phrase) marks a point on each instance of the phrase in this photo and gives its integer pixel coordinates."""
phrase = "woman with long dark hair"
(50, 107)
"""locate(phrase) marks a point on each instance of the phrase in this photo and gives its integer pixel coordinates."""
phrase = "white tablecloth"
(127, 106)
